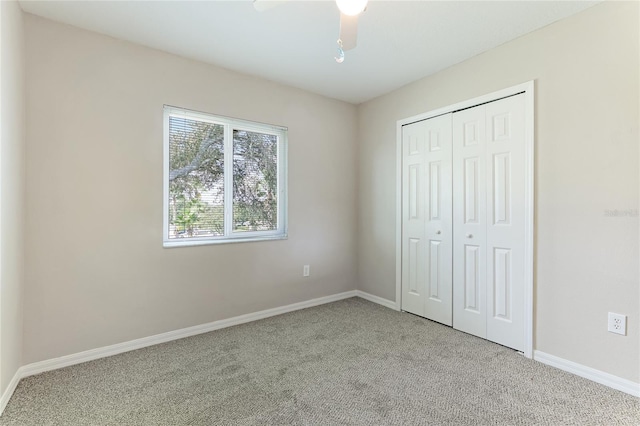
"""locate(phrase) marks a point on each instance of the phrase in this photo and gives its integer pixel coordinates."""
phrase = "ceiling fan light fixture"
(351, 7)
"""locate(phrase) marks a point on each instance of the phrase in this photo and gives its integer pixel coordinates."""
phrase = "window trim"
(229, 124)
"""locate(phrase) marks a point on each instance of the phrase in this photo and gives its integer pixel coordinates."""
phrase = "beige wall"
(11, 189)
(587, 108)
(97, 273)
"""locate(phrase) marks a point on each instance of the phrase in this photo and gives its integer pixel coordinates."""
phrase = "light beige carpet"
(346, 363)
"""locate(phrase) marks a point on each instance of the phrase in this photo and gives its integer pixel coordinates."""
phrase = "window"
(224, 179)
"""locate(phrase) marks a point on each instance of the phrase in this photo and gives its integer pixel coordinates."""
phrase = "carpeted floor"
(346, 363)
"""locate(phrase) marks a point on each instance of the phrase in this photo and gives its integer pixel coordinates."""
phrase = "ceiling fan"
(349, 12)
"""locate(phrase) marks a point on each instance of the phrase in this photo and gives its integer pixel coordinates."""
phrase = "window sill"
(206, 242)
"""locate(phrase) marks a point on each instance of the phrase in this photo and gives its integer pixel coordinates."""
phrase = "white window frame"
(229, 124)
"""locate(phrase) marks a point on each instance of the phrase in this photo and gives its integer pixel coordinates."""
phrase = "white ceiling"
(294, 43)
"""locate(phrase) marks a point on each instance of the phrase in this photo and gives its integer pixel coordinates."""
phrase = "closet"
(464, 220)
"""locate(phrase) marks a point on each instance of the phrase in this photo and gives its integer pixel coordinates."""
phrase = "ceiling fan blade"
(262, 5)
(348, 31)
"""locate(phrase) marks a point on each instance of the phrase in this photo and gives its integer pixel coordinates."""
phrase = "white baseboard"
(13, 384)
(379, 300)
(77, 358)
(615, 382)
(606, 379)
(92, 354)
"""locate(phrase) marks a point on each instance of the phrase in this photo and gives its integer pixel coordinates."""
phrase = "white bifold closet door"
(463, 227)
(488, 221)
(427, 208)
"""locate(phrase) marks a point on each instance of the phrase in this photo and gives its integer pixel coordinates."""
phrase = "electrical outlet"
(617, 324)
(306, 271)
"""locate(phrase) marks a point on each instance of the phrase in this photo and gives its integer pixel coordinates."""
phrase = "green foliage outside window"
(196, 179)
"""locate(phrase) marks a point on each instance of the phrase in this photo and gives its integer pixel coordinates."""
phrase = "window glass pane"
(255, 181)
(196, 178)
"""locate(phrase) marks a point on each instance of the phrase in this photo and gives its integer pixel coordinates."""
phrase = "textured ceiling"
(295, 42)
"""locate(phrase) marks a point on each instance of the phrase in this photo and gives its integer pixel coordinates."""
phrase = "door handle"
(469, 235)
(438, 232)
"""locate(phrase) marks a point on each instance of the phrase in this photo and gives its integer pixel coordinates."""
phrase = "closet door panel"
(438, 303)
(426, 231)
(469, 221)
(505, 162)
(413, 222)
